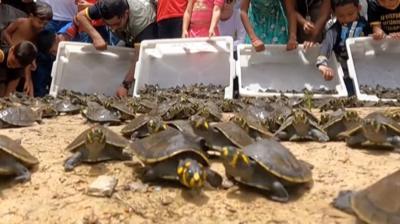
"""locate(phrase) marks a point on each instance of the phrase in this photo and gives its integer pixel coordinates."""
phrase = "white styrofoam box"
(282, 70)
(373, 62)
(80, 67)
(177, 62)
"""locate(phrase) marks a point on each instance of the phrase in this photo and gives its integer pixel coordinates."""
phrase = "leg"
(213, 178)
(318, 135)
(395, 141)
(343, 201)
(355, 141)
(279, 192)
(22, 172)
(282, 135)
(73, 161)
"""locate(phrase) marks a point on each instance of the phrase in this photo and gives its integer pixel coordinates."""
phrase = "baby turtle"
(338, 122)
(20, 116)
(65, 106)
(376, 204)
(268, 165)
(251, 124)
(171, 155)
(375, 131)
(143, 126)
(97, 113)
(15, 159)
(96, 144)
(299, 127)
(126, 112)
(211, 111)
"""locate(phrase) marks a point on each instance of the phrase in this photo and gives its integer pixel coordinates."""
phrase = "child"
(15, 63)
(265, 22)
(384, 18)
(349, 24)
(170, 18)
(28, 28)
(201, 18)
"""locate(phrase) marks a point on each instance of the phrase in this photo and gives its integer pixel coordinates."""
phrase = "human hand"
(99, 44)
(211, 33)
(308, 27)
(291, 44)
(185, 34)
(308, 44)
(28, 87)
(326, 72)
(122, 92)
(378, 35)
(258, 45)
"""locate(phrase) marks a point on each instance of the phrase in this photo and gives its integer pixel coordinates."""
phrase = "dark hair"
(43, 11)
(45, 40)
(337, 3)
(111, 8)
(25, 52)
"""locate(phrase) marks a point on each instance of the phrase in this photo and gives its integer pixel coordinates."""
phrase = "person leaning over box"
(131, 20)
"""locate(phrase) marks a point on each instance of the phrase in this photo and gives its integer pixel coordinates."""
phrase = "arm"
(10, 30)
(292, 20)
(129, 77)
(186, 18)
(214, 20)
(84, 23)
(325, 52)
(256, 42)
(374, 21)
(28, 86)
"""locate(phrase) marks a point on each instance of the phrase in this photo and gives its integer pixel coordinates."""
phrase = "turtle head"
(373, 126)
(156, 125)
(351, 115)
(95, 135)
(240, 121)
(234, 156)
(191, 173)
(199, 122)
(300, 117)
(324, 118)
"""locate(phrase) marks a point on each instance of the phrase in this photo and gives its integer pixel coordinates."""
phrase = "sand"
(54, 196)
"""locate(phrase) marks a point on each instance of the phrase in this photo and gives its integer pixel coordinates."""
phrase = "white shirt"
(63, 10)
(233, 26)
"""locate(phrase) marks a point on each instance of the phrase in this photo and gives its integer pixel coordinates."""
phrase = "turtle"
(376, 204)
(339, 121)
(15, 159)
(97, 113)
(126, 112)
(97, 144)
(184, 126)
(268, 165)
(171, 155)
(19, 116)
(142, 126)
(299, 127)
(211, 111)
(66, 106)
(375, 131)
(218, 135)
(393, 113)
(252, 124)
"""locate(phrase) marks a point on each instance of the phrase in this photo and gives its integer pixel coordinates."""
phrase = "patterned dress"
(269, 21)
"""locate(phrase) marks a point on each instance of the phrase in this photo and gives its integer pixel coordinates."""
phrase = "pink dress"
(201, 17)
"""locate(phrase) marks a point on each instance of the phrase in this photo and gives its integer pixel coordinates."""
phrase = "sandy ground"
(53, 196)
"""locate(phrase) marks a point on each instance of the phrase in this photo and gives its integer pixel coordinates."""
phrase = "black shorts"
(170, 28)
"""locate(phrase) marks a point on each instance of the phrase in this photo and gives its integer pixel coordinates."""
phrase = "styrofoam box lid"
(282, 70)
(373, 62)
(177, 62)
(80, 67)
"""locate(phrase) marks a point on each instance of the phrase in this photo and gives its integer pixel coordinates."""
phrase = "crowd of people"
(31, 30)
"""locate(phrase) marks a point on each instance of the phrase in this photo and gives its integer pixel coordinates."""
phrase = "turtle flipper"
(343, 201)
(395, 141)
(149, 174)
(23, 174)
(282, 135)
(279, 192)
(134, 136)
(354, 141)
(73, 161)
(213, 178)
(318, 135)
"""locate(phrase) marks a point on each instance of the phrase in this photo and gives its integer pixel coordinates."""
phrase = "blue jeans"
(54, 25)
(42, 76)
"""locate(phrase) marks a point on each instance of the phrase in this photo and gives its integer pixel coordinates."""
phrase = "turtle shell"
(379, 203)
(253, 122)
(66, 106)
(167, 144)
(234, 133)
(381, 118)
(183, 126)
(16, 150)
(19, 116)
(278, 160)
(112, 138)
(98, 113)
